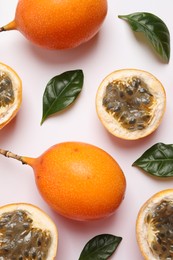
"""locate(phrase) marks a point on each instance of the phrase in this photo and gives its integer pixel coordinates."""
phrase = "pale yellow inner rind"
(144, 231)
(9, 111)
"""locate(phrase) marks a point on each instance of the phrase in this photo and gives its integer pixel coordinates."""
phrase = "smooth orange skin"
(59, 24)
(79, 181)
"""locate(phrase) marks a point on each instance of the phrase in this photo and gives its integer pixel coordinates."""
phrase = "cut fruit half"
(154, 227)
(26, 232)
(130, 103)
(10, 94)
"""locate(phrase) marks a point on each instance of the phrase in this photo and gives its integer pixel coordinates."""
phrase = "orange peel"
(58, 24)
(73, 180)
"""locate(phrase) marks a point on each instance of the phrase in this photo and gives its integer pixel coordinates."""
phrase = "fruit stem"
(9, 154)
(8, 27)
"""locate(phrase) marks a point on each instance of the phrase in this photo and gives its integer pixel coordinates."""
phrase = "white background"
(115, 47)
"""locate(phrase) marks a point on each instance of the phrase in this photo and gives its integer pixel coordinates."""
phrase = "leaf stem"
(122, 16)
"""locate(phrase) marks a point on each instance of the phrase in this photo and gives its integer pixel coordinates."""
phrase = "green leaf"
(157, 160)
(154, 29)
(61, 91)
(100, 247)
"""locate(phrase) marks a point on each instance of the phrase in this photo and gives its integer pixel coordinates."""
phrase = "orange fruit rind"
(154, 226)
(10, 94)
(33, 233)
(58, 24)
(73, 180)
(155, 110)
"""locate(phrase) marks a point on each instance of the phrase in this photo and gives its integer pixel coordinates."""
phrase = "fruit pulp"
(130, 102)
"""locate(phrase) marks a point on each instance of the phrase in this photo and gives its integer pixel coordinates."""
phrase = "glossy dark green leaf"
(100, 247)
(154, 29)
(157, 160)
(61, 91)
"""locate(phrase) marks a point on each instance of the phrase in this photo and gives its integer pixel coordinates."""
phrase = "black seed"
(117, 107)
(113, 93)
(137, 102)
(123, 116)
(158, 226)
(47, 240)
(159, 240)
(154, 247)
(34, 255)
(164, 248)
(132, 121)
(29, 220)
(26, 225)
(171, 247)
(26, 254)
(136, 82)
(140, 127)
(142, 90)
(129, 90)
(170, 208)
(110, 87)
(104, 102)
(158, 208)
(39, 242)
(171, 232)
(107, 99)
(110, 105)
(168, 233)
(145, 100)
(122, 95)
